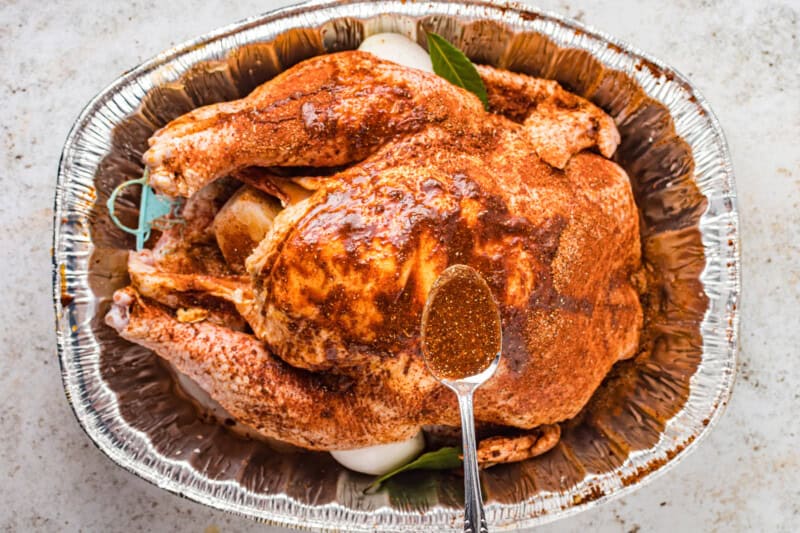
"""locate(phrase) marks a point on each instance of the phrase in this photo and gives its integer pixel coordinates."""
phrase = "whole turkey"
(322, 207)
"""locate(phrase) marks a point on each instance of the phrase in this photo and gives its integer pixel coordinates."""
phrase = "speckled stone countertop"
(745, 58)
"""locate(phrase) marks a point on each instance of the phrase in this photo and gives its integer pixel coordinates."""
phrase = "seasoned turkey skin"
(339, 108)
(424, 178)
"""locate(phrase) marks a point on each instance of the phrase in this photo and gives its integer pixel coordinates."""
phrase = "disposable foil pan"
(642, 420)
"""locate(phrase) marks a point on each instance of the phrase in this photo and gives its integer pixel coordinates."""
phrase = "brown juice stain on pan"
(627, 413)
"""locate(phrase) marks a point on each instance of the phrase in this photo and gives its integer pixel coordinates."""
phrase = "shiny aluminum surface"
(655, 409)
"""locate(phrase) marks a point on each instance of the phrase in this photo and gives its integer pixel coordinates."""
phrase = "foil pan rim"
(72, 246)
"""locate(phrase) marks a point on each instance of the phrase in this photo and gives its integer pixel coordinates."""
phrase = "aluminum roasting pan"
(642, 420)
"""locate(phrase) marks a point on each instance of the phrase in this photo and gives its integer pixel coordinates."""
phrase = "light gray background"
(745, 58)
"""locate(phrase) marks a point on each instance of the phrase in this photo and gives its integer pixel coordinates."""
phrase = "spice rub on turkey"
(295, 301)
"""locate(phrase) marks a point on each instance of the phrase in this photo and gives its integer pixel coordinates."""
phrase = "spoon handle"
(474, 517)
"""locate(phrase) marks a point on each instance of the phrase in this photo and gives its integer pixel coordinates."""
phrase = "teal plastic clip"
(151, 207)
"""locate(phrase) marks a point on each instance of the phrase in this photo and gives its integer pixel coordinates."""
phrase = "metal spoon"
(461, 343)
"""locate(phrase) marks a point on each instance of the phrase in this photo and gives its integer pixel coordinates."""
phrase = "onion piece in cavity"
(397, 48)
(382, 458)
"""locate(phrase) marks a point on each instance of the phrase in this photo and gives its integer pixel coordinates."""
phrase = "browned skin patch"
(498, 450)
